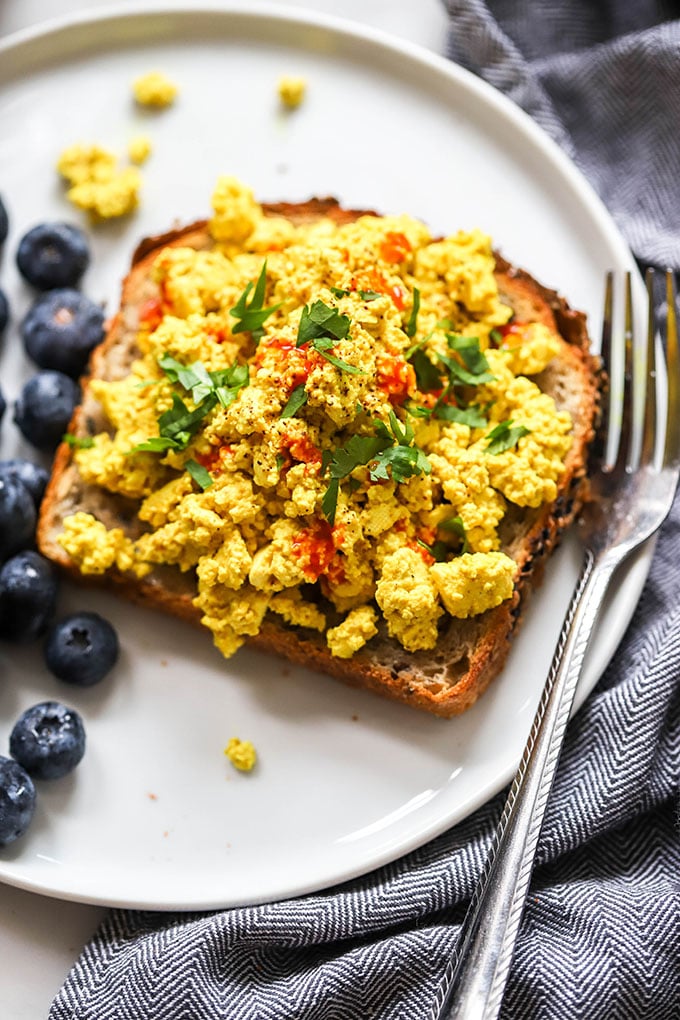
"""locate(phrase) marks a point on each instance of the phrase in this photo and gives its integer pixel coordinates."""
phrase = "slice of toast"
(470, 652)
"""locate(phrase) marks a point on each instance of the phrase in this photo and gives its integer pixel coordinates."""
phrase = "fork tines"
(631, 409)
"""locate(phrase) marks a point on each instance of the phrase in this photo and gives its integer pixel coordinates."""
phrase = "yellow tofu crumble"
(97, 183)
(326, 426)
(241, 754)
(139, 149)
(292, 91)
(154, 89)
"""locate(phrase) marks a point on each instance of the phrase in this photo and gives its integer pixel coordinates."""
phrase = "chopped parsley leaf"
(225, 383)
(471, 415)
(459, 374)
(427, 376)
(390, 449)
(365, 295)
(438, 550)
(251, 315)
(329, 503)
(322, 326)
(455, 524)
(412, 324)
(320, 320)
(504, 436)
(296, 400)
(199, 474)
(468, 349)
(178, 425)
(78, 442)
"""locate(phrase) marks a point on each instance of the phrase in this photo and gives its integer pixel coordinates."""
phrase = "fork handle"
(479, 969)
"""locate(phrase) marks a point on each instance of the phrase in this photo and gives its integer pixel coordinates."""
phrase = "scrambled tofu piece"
(154, 89)
(139, 149)
(358, 627)
(97, 184)
(408, 599)
(529, 348)
(324, 419)
(291, 606)
(231, 615)
(474, 582)
(241, 754)
(235, 212)
(291, 90)
(96, 549)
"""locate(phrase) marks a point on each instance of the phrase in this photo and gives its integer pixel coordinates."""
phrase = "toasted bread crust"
(470, 653)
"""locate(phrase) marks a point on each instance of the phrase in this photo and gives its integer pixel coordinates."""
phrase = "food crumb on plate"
(241, 754)
(139, 149)
(291, 91)
(154, 89)
(97, 183)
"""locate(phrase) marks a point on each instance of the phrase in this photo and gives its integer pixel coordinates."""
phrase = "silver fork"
(634, 475)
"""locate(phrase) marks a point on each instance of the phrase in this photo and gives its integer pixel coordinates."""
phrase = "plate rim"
(509, 111)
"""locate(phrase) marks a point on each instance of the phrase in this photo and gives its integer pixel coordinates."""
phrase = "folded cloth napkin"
(601, 934)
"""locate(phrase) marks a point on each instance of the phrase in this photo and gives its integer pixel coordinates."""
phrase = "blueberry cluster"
(58, 332)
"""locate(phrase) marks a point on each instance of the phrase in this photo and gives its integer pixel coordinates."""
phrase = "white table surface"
(39, 937)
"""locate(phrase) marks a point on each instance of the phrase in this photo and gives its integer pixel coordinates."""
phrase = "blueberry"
(4, 221)
(60, 330)
(48, 740)
(4, 312)
(17, 517)
(28, 596)
(53, 255)
(17, 800)
(81, 649)
(44, 408)
(33, 476)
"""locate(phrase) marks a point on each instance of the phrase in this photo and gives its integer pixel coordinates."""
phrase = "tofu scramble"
(97, 183)
(327, 423)
(154, 89)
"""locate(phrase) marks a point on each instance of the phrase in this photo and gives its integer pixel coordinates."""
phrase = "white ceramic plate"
(154, 816)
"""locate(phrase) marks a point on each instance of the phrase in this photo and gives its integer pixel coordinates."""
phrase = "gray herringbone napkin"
(601, 937)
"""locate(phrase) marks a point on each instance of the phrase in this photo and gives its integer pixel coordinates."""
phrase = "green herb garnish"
(403, 459)
(471, 415)
(427, 375)
(455, 524)
(322, 326)
(391, 449)
(473, 358)
(296, 400)
(224, 383)
(365, 295)
(459, 374)
(78, 442)
(504, 436)
(199, 474)
(412, 324)
(320, 320)
(251, 315)
(438, 550)
(179, 423)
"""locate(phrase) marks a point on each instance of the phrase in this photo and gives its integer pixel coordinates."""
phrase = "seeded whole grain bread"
(470, 653)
